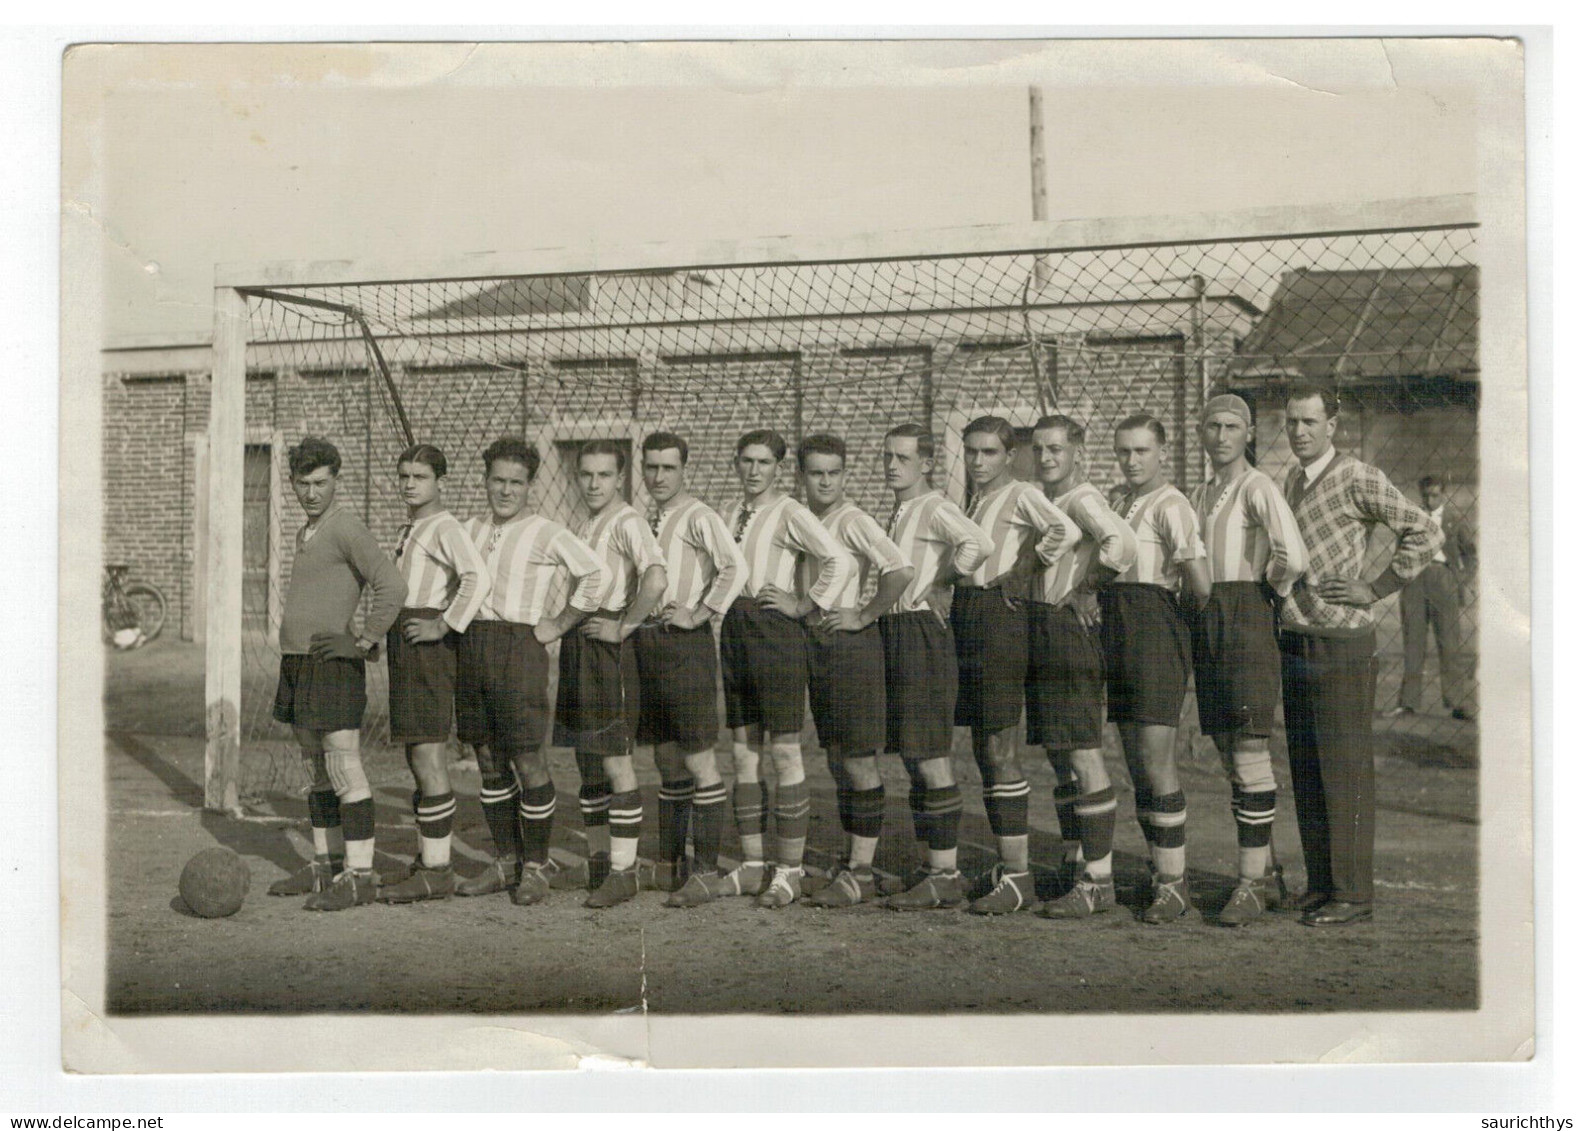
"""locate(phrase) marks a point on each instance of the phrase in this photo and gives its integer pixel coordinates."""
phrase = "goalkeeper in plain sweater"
(321, 691)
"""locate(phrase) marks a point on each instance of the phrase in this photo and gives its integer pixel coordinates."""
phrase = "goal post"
(1093, 318)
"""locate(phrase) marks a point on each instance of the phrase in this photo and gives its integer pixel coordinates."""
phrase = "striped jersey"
(866, 548)
(932, 533)
(703, 564)
(626, 548)
(772, 538)
(1167, 530)
(1249, 531)
(1019, 519)
(1106, 540)
(526, 557)
(442, 569)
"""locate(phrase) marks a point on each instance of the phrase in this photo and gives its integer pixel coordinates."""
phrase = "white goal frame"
(223, 548)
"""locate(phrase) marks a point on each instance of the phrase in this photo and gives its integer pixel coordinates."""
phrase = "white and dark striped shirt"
(626, 547)
(442, 569)
(703, 564)
(1106, 541)
(1019, 519)
(1168, 534)
(930, 531)
(866, 547)
(1249, 531)
(526, 557)
(775, 535)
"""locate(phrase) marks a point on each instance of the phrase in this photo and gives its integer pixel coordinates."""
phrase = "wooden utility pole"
(1037, 172)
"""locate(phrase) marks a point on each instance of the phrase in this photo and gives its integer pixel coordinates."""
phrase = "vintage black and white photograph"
(775, 553)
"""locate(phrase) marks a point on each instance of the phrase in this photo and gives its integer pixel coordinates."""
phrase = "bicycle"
(131, 613)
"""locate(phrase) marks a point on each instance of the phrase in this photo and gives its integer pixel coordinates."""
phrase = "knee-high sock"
(594, 800)
(324, 816)
(357, 825)
(1143, 808)
(868, 819)
(1255, 814)
(709, 821)
(749, 802)
(626, 823)
(1095, 815)
(536, 819)
(1006, 805)
(435, 815)
(792, 821)
(1170, 817)
(676, 800)
(498, 795)
(942, 809)
(1066, 797)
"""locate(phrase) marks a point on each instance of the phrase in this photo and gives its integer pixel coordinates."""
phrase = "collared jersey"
(1249, 531)
(866, 548)
(774, 535)
(1105, 540)
(931, 530)
(1018, 518)
(1167, 530)
(526, 558)
(442, 569)
(1335, 514)
(703, 564)
(626, 548)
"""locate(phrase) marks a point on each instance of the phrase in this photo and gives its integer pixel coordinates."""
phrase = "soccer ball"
(214, 883)
(126, 638)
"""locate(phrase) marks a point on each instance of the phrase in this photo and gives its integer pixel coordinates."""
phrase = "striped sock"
(1095, 815)
(1006, 805)
(942, 811)
(867, 812)
(1143, 805)
(1170, 818)
(792, 821)
(536, 818)
(435, 815)
(921, 818)
(1255, 814)
(709, 822)
(626, 822)
(676, 800)
(748, 808)
(498, 797)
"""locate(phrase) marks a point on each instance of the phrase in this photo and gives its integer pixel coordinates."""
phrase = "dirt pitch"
(486, 955)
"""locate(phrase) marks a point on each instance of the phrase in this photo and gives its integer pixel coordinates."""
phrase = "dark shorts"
(676, 686)
(992, 658)
(920, 684)
(321, 695)
(597, 702)
(847, 682)
(502, 691)
(422, 682)
(1237, 661)
(1066, 680)
(763, 668)
(1144, 639)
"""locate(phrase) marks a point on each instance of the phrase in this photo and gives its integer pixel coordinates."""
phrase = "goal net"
(853, 343)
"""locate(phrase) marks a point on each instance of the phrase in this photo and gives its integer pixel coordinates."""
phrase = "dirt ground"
(487, 955)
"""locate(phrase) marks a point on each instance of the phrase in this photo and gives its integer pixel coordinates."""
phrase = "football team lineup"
(1040, 610)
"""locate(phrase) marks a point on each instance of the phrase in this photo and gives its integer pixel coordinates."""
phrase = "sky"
(184, 157)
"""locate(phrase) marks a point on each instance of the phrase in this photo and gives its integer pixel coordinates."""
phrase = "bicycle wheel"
(149, 604)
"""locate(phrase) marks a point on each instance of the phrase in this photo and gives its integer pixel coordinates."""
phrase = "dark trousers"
(1328, 692)
(1430, 601)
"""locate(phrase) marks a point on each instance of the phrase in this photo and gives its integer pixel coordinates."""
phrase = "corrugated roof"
(1363, 325)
